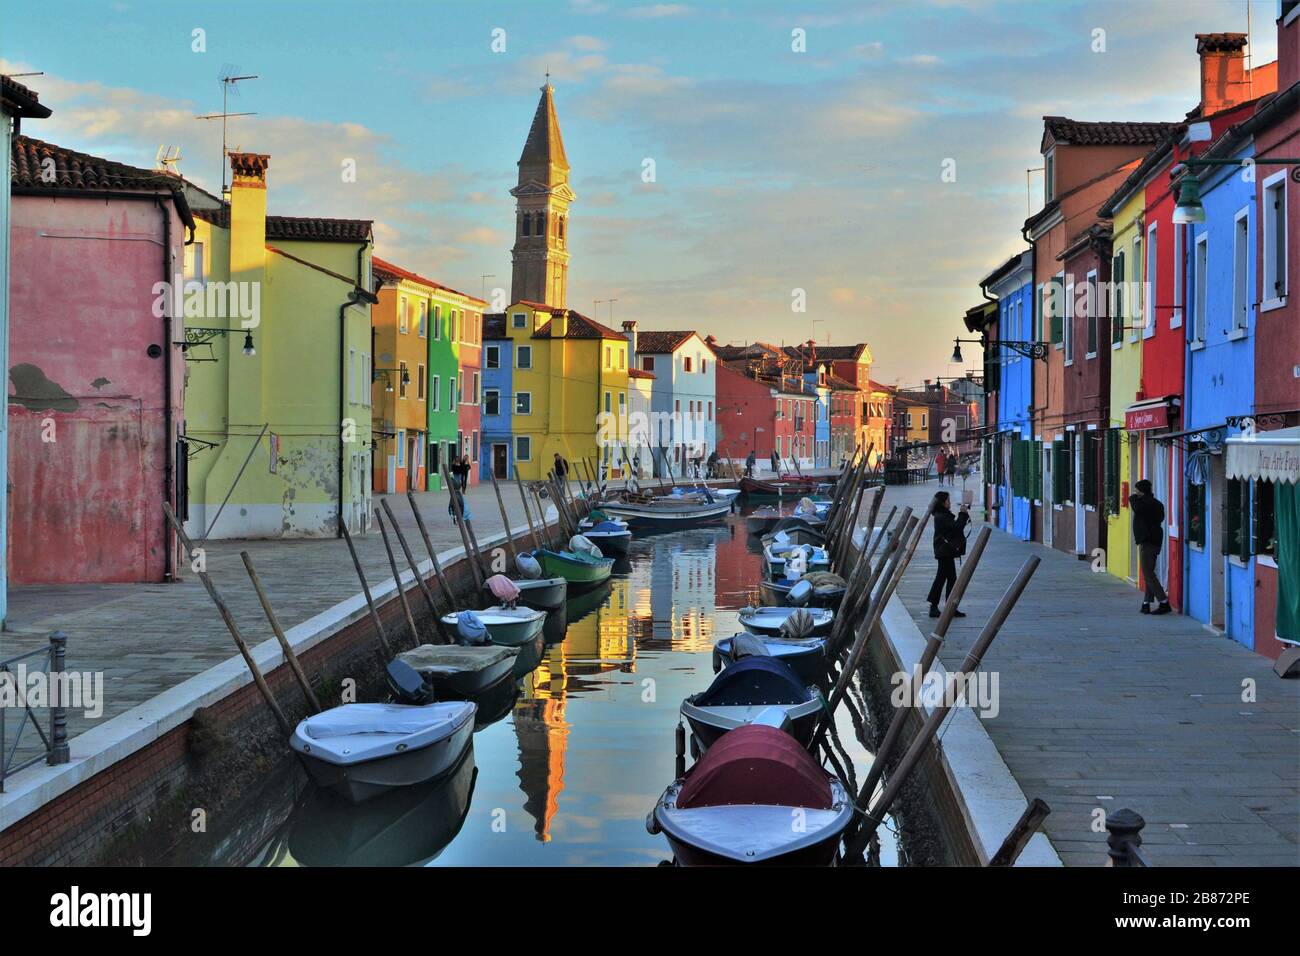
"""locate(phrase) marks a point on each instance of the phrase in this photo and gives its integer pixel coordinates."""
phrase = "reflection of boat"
(577, 608)
(362, 750)
(581, 570)
(495, 702)
(753, 690)
(506, 626)
(458, 671)
(544, 594)
(805, 656)
(669, 511)
(530, 654)
(406, 827)
(736, 805)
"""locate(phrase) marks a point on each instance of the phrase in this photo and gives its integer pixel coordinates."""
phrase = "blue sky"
(775, 170)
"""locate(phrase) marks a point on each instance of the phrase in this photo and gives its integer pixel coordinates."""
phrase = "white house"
(683, 396)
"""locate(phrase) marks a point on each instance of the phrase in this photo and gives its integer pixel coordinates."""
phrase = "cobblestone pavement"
(1102, 708)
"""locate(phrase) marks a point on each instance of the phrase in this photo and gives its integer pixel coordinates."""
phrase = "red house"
(96, 376)
(746, 415)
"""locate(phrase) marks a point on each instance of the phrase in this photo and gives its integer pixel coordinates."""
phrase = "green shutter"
(1090, 467)
(1116, 309)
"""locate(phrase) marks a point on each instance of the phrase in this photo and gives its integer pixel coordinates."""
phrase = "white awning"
(1265, 456)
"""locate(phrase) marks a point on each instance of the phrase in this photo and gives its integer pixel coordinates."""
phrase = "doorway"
(1159, 476)
(1135, 446)
(1080, 515)
(1213, 510)
(1049, 505)
(413, 461)
(500, 461)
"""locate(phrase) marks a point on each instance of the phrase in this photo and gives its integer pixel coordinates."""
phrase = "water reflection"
(571, 751)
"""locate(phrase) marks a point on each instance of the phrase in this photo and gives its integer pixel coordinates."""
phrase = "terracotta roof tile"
(300, 228)
(639, 373)
(1079, 133)
(18, 100)
(387, 272)
(581, 327)
(654, 342)
(1220, 42)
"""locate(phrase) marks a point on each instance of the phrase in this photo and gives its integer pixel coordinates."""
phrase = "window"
(1149, 290)
(437, 323)
(608, 405)
(403, 376)
(710, 411)
(477, 395)
(1049, 176)
(1235, 540)
(401, 448)
(1110, 470)
(519, 320)
(1200, 263)
(453, 392)
(1275, 239)
(1038, 314)
(492, 357)
(353, 381)
(1196, 514)
(451, 325)
(924, 416)
(523, 403)
(704, 366)
(435, 394)
(1090, 304)
(1137, 298)
(1240, 272)
(523, 448)
(1180, 265)
(1117, 299)
(420, 392)
(492, 402)
(403, 315)
(622, 360)
(527, 222)
(622, 404)
(424, 318)
(648, 363)
(1263, 521)
(524, 356)
(194, 262)
(686, 363)
(609, 362)
(1067, 326)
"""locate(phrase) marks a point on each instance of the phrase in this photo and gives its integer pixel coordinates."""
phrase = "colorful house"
(1011, 463)
(497, 451)
(683, 396)
(16, 103)
(278, 400)
(400, 386)
(97, 407)
(466, 331)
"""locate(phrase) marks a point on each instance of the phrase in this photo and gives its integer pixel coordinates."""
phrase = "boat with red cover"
(736, 804)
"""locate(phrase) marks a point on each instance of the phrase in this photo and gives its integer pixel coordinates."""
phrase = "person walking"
(776, 463)
(750, 461)
(950, 468)
(949, 545)
(1149, 536)
(940, 463)
(711, 469)
(561, 468)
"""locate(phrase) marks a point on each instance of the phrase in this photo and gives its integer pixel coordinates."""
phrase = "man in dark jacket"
(749, 465)
(949, 545)
(776, 464)
(1149, 536)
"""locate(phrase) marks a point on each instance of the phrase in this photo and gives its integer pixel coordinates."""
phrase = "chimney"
(248, 215)
(1223, 71)
(559, 323)
(629, 330)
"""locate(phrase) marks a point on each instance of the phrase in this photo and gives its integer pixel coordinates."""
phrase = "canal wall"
(961, 801)
(144, 780)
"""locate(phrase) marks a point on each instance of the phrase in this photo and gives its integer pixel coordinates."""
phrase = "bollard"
(59, 752)
(1125, 828)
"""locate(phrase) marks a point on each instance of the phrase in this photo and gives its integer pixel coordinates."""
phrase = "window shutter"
(992, 370)
(1037, 472)
(1117, 300)
(1058, 324)
(1090, 468)
(1230, 515)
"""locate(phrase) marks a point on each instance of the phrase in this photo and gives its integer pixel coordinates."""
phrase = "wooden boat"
(596, 517)
(612, 539)
(457, 671)
(506, 626)
(580, 570)
(787, 486)
(668, 512)
(753, 690)
(362, 750)
(798, 531)
(768, 620)
(542, 594)
(805, 656)
(735, 805)
(407, 827)
(762, 521)
(777, 594)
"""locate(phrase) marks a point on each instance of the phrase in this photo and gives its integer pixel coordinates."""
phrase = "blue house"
(1219, 327)
(1011, 376)
(817, 383)
(496, 451)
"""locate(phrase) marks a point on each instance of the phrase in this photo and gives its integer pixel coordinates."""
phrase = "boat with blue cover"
(753, 690)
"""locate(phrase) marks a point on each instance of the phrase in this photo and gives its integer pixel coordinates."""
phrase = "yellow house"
(569, 386)
(1125, 374)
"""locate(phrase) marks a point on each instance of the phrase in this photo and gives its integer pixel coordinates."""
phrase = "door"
(1080, 513)
(412, 462)
(1135, 449)
(1213, 534)
(1160, 488)
(1049, 509)
(500, 463)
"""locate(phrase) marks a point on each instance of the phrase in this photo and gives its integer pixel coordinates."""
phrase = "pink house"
(95, 379)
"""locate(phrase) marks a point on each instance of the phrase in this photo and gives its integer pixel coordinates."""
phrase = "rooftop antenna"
(167, 158)
(228, 80)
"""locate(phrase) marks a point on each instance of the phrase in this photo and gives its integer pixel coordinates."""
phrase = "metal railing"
(50, 663)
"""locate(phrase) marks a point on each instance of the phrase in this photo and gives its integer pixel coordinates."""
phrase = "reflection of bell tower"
(540, 256)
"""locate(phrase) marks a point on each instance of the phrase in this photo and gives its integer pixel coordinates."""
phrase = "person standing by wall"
(1149, 536)
(750, 461)
(949, 545)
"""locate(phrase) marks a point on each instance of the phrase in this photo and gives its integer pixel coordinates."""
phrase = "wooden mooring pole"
(397, 580)
(290, 657)
(433, 554)
(365, 589)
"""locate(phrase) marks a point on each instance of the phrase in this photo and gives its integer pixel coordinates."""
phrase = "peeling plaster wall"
(88, 446)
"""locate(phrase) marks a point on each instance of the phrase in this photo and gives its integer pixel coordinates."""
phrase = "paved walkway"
(1104, 708)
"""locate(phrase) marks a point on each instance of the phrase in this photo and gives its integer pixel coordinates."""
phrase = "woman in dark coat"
(949, 545)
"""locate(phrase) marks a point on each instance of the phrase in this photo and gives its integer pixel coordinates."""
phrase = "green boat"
(579, 569)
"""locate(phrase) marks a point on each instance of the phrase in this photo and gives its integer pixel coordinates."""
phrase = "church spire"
(540, 256)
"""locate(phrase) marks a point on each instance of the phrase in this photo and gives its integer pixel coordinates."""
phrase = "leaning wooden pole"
(863, 581)
(505, 518)
(229, 618)
(289, 656)
(397, 580)
(365, 589)
(931, 651)
(410, 560)
(457, 514)
(528, 515)
(433, 555)
(953, 690)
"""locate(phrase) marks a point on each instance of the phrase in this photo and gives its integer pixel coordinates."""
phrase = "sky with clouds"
(775, 170)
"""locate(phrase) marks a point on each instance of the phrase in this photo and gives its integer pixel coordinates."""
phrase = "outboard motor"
(528, 566)
(406, 685)
(800, 594)
(796, 564)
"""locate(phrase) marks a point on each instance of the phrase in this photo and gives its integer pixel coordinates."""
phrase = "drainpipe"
(169, 467)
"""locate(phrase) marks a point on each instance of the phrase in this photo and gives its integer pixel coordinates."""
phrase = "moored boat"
(775, 555)
(735, 805)
(770, 620)
(786, 486)
(581, 570)
(762, 521)
(611, 538)
(753, 690)
(455, 670)
(778, 593)
(506, 626)
(669, 512)
(805, 656)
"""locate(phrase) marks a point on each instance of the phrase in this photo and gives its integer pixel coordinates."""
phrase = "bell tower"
(540, 257)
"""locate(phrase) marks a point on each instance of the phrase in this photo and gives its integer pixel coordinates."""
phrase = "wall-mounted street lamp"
(202, 335)
(1189, 208)
(386, 373)
(1033, 350)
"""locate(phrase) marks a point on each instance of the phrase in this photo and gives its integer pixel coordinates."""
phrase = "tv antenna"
(229, 78)
(167, 159)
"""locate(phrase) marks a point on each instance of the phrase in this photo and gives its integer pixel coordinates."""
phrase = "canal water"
(566, 762)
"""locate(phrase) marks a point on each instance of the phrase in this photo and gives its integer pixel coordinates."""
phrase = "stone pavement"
(1101, 707)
